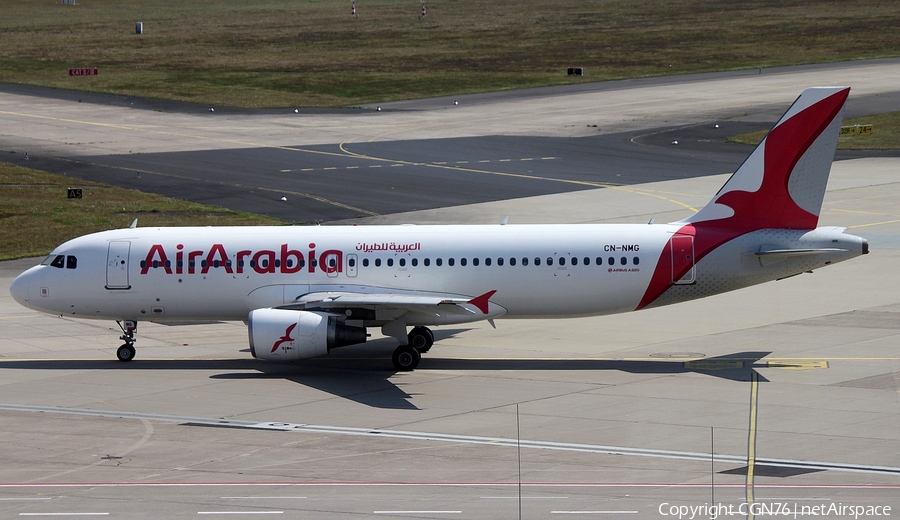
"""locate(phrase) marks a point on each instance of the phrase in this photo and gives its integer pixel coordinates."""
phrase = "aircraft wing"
(440, 308)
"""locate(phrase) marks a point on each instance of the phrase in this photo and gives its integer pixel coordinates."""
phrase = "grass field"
(885, 137)
(312, 53)
(36, 215)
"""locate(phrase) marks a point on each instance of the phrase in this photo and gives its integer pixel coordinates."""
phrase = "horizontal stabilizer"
(797, 252)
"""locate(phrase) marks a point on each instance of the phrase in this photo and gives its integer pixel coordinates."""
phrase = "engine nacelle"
(284, 335)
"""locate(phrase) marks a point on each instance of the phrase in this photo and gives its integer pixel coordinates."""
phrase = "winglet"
(482, 301)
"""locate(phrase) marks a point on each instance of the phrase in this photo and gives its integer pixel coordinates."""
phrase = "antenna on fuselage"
(505, 220)
(133, 224)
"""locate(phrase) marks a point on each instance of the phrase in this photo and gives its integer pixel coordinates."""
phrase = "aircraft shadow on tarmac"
(365, 376)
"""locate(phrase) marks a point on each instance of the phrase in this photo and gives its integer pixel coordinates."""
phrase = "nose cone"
(19, 289)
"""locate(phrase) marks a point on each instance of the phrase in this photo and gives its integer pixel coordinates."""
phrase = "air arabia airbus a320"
(306, 290)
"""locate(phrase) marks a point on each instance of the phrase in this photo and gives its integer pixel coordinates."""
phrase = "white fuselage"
(168, 274)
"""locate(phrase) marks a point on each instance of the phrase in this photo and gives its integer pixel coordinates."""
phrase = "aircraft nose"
(19, 290)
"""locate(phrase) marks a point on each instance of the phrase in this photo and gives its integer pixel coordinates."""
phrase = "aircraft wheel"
(421, 339)
(125, 353)
(406, 358)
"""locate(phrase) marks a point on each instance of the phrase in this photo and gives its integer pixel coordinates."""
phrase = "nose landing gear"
(126, 351)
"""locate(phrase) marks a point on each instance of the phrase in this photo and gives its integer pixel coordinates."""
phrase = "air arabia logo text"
(285, 261)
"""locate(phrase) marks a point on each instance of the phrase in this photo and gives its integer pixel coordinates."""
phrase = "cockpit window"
(61, 261)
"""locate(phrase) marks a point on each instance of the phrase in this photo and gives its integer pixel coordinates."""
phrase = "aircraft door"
(684, 272)
(117, 265)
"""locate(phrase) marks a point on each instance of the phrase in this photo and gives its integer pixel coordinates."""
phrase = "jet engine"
(285, 335)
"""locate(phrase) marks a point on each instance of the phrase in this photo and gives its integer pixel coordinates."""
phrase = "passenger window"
(402, 262)
(377, 262)
(636, 260)
(612, 261)
(487, 261)
(623, 260)
(450, 262)
(475, 261)
(415, 262)
(562, 260)
(574, 260)
(512, 260)
(439, 261)
(390, 262)
(599, 261)
(549, 261)
(462, 262)
(524, 260)
(587, 261)
(365, 262)
(71, 262)
(500, 261)
(351, 262)
(427, 262)
(59, 262)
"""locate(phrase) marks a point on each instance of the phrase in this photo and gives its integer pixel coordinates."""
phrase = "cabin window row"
(401, 262)
(512, 261)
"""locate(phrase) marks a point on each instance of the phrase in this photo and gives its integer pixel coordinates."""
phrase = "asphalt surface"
(342, 181)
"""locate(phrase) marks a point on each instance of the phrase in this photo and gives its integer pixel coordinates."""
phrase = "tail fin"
(782, 183)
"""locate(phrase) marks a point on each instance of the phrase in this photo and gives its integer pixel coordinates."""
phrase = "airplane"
(304, 291)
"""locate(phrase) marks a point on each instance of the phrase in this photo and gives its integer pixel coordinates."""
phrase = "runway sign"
(84, 72)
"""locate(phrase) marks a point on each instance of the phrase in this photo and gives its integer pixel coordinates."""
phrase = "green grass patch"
(271, 53)
(36, 215)
(885, 137)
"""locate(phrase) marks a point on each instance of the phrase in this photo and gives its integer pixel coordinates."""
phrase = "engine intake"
(285, 335)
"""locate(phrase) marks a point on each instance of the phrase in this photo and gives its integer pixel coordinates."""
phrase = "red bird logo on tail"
(286, 338)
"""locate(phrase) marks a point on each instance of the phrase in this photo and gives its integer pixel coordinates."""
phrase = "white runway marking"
(240, 512)
(417, 512)
(461, 439)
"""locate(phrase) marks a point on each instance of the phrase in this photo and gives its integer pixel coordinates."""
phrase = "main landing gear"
(407, 357)
(126, 351)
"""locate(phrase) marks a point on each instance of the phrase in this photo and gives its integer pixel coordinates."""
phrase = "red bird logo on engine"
(286, 338)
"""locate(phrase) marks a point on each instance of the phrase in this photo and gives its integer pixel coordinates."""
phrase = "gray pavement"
(794, 386)
(344, 163)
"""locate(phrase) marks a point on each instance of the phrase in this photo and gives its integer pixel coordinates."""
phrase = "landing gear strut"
(126, 351)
